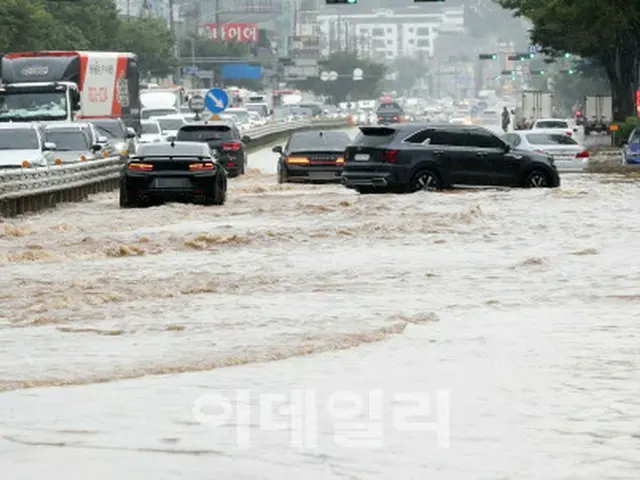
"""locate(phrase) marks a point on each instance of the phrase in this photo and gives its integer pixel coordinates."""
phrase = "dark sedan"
(412, 157)
(390, 113)
(312, 157)
(223, 139)
(172, 171)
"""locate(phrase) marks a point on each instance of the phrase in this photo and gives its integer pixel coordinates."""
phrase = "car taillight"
(140, 167)
(569, 133)
(340, 160)
(390, 156)
(231, 146)
(395, 118)
(539, 151)
(379, 119)
(583, 154)
(201, 166)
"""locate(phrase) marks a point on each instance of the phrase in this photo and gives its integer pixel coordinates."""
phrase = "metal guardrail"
(31, 189)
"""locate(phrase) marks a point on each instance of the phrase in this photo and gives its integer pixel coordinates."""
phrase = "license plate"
(322, 175)
(361, 157)
(171, 183)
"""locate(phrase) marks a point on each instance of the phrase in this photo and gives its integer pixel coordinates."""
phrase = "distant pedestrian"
(506, 119)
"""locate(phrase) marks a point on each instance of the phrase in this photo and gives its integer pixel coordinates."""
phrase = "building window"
(423, 32)
(424, 42)
(378, 32)
(378, 43)
(412, 41)
(388, 30)
(389, 42)
(411, 30)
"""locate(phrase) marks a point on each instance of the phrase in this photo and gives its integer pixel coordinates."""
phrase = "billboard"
(250, 6)
(239, 32)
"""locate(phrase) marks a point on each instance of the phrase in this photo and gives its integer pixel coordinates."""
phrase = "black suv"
(390, 113)
(411, 157)
(223, 139)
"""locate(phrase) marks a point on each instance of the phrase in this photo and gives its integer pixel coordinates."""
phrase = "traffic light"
(488, 56)
(532, 55)
(567, 55)
(341, 2)
(432, 1)
(508, 72)
(537, 72)
(571, 71)
(520, 57)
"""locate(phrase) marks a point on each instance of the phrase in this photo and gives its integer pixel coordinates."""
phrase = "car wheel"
(282, 175)
(537, 179)
(426, 180)
(125, 202)
(219, 195)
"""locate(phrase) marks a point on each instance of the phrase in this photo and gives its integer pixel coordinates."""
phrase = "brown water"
(522, 306)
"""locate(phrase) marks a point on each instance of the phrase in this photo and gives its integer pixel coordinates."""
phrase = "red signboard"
(638, 101)
(239, 32)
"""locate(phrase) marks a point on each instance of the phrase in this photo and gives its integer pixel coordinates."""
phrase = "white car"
(22, 145)
(568, 155)
(256, 119)
(151, 131)
(170, 124)
(557, 125)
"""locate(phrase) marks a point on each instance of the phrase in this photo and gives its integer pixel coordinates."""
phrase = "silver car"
(72, 145)
(568, 155)
(22, 145)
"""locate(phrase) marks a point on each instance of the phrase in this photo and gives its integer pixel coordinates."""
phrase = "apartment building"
(387, 34)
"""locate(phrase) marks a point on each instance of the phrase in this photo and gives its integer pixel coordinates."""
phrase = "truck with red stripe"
(63, 86)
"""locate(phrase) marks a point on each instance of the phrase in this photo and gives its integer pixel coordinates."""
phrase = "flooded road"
(516, 313)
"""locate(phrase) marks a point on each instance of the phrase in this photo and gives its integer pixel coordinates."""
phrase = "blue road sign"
(216, 100)
(534, 49)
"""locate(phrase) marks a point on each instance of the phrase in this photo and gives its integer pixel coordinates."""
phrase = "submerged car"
(412, 157)
(567, 153)
(631, 149)
(185, 171)
(223, 139)
(312, 157)
(22, 145)
(72, 144)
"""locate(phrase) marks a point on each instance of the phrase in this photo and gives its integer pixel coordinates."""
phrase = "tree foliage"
(343, 63)
(607, 31)
(409, 71)
(85, 25)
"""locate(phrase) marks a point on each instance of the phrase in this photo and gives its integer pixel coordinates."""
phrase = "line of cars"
(32, 145)
(409, 157)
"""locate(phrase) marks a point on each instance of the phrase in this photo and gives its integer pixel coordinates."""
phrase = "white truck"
(598, 113)
(532, 105)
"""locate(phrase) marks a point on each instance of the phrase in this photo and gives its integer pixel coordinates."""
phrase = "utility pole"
(218, 25)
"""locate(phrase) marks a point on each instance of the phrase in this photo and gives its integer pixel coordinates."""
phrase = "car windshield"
(156, 112)
(550, 139)
(110, 129)
(551, 124)
(18, 139)
(33, 105)
(388, 107)
(314, 141)
(207, 134)
(68, 140)
(170, 124)
(635, 137)
(149, 128)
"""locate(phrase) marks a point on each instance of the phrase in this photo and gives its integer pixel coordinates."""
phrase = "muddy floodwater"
(471, 335)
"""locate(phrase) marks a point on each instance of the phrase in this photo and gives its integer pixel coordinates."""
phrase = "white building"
(156, 8)
(385, 34)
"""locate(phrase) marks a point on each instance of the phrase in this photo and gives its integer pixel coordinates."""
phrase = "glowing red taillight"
(390, 156)
(231, 146)
(395, 118)
(379, 119)
(583, 154)
(569, 133)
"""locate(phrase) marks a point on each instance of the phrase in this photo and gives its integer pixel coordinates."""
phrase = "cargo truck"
(598, 113)
(63, 86)
(532, 105)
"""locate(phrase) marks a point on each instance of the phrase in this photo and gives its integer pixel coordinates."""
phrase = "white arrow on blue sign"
(216, 100)
(535, 48)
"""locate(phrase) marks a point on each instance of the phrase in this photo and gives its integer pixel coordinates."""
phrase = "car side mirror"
(246, 139)
(507, 148)
(513, 112)
(277, 149)
(96, 147)
(102, 140)
(131, 133)
(48, 146)
(172, 138)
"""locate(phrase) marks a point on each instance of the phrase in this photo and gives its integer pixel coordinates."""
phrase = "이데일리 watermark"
(350, 419)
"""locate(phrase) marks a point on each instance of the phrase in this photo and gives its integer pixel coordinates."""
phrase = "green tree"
(153, 42)
(345, 87)
(606, 31)
(29, 25)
